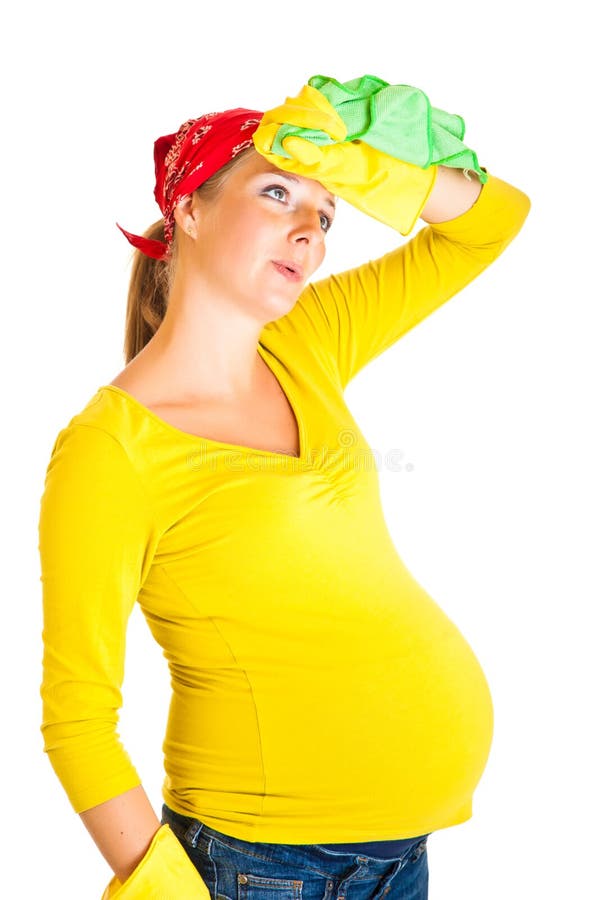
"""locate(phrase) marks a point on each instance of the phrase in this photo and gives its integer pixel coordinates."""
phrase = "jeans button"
(242, 879)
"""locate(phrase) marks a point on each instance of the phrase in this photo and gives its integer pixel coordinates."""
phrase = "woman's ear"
(186, 215)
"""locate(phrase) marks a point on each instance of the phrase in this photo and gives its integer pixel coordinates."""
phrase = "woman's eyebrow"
(297, 180)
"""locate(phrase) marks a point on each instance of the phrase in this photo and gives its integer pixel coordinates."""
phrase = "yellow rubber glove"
(165, 873)
(309, 109)
(388, 189)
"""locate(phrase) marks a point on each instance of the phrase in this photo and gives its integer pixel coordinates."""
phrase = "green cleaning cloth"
(395, 118)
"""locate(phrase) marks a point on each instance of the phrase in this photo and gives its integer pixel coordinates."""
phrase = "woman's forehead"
(262, 166)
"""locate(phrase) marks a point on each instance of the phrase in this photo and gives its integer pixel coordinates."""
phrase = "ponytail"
(149, 288)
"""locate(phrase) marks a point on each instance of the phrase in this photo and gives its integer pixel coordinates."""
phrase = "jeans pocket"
(186, 830)
(246, 871)
(247, 874)
(262, 887)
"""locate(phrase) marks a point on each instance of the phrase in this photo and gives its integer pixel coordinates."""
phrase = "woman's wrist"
(123, 828)
(453, 193)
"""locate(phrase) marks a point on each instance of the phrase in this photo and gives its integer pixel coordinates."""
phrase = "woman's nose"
(307, 226)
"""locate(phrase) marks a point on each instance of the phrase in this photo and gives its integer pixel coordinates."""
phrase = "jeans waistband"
(191, 830)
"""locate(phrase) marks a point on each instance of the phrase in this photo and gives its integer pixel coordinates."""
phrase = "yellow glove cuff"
(165, 873)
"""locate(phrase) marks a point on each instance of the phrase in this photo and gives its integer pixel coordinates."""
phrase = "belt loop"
(383, 890)
(359, 865)
(193, 833)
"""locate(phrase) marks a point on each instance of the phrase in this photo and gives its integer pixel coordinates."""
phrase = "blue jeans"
(233, 869)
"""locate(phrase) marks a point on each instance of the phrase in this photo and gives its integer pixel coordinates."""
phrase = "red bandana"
(185, 160)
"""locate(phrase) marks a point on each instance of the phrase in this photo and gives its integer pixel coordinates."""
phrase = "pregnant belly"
(396, 719)
(368, 720)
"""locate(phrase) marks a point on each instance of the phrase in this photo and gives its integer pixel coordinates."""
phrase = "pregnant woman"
(326, 715)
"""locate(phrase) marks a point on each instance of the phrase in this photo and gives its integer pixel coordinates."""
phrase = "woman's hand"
(388, 189)
(165, 873)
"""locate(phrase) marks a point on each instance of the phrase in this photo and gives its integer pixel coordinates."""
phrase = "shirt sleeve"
(359, 313)
(96, 543)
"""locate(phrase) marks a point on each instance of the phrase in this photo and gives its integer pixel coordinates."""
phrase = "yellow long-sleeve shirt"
(319, 694)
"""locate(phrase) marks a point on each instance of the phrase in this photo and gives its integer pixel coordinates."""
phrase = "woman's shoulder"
(135, 382)
(104, 419)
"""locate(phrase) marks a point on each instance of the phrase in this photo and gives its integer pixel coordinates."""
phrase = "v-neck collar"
(290, 396)
(298, 462)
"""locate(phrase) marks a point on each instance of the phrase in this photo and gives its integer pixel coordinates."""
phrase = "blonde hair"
(151, 279)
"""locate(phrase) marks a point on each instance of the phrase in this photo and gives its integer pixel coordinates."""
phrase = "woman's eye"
(276, 187)
(326, 222)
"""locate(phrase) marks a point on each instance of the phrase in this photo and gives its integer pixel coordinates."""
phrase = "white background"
(493, 399)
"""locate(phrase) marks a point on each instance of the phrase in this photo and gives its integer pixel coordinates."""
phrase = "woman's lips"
(288, 272)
